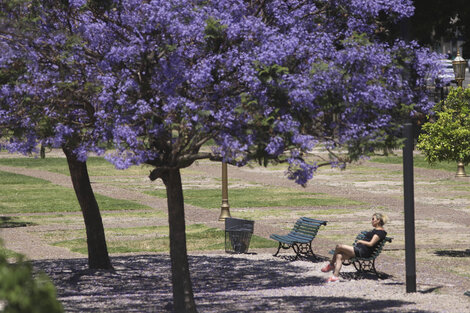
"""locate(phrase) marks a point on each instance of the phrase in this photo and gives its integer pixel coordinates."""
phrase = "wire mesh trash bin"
(238, 235)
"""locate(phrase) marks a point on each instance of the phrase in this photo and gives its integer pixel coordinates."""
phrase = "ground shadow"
(9, 222)
(345, 275)
(431, 289)
(292, 258)
(142, 283)
(453, 253)
(365, 275)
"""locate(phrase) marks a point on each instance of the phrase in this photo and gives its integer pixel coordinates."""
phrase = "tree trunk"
(42, 152)
(98, 257)
(183, 299)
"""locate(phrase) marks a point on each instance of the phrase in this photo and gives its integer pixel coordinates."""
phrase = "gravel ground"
(259, 282)
(235, 283)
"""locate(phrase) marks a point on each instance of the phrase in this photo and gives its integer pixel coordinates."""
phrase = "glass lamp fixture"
(459, 64)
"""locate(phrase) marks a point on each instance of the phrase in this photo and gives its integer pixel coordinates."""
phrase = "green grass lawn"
(97, 166)
(151, 239)
(418, 161)
(24, 194)
(255, 197)
(70, 219)
(258, 214)
(9, 254)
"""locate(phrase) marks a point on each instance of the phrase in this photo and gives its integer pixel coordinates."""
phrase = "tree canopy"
(447, 136)
(47, 88)
(260, 80)
(162, 78)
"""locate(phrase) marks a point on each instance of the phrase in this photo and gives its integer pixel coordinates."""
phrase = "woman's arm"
(370, 243)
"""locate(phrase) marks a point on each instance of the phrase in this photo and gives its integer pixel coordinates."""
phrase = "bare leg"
(342, 253)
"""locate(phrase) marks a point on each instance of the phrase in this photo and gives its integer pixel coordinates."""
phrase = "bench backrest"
(307, 226)
(378, 247)
(311, 220)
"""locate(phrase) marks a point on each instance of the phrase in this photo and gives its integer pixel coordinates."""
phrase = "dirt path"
(18, 239)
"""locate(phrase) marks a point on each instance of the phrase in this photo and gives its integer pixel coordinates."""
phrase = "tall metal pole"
(459, 65)
(225, 208)
(408, 188)
(410, 247)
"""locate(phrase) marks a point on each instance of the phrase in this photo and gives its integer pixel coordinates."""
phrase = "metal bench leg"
(296, 250)
(358, 267)
(374, 270)
(278, 249)
(310, 251)
(283, 246)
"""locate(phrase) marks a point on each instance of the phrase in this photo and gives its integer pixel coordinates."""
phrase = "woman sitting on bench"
(362, 249)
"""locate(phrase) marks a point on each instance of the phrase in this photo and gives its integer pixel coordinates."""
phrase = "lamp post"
(459, 64)
(225, 208)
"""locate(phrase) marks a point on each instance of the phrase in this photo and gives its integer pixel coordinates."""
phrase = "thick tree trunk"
(183, 299)
(98, 257)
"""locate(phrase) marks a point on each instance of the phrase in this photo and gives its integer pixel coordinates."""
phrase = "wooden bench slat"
(300, 237)
(291, 238)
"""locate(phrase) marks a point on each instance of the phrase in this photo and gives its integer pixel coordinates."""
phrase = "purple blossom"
(155, 79)
(300, 171)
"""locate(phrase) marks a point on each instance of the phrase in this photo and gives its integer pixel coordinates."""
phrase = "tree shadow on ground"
(142, 283)
(9, 222)
(453, 253)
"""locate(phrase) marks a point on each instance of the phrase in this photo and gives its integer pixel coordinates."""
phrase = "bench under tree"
(365, 265)
(300, 237)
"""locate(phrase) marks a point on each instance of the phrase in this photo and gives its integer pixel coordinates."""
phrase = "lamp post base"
(460, 170)
(224, 212)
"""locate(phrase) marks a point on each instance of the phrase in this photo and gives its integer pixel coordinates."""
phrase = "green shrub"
(22, 292)
(448, 137)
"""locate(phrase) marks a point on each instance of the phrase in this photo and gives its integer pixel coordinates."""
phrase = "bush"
(448, 137)
(22, 292)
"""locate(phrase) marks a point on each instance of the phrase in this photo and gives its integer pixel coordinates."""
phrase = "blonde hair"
(382, 218)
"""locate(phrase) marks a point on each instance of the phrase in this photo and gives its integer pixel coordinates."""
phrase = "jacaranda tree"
(263, 80)
(47, 86)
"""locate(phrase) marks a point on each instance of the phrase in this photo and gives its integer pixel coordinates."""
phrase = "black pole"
(410, 249)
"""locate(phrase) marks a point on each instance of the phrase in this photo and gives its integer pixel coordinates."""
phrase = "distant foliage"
(23, 292)
(447, 136)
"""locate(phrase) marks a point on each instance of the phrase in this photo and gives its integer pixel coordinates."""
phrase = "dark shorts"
(361, 251)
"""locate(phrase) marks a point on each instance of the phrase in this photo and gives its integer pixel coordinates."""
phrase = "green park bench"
(364, 265)
(300, 237)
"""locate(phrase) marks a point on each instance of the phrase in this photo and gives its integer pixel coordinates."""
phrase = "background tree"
(447, 136)
(46, 87)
